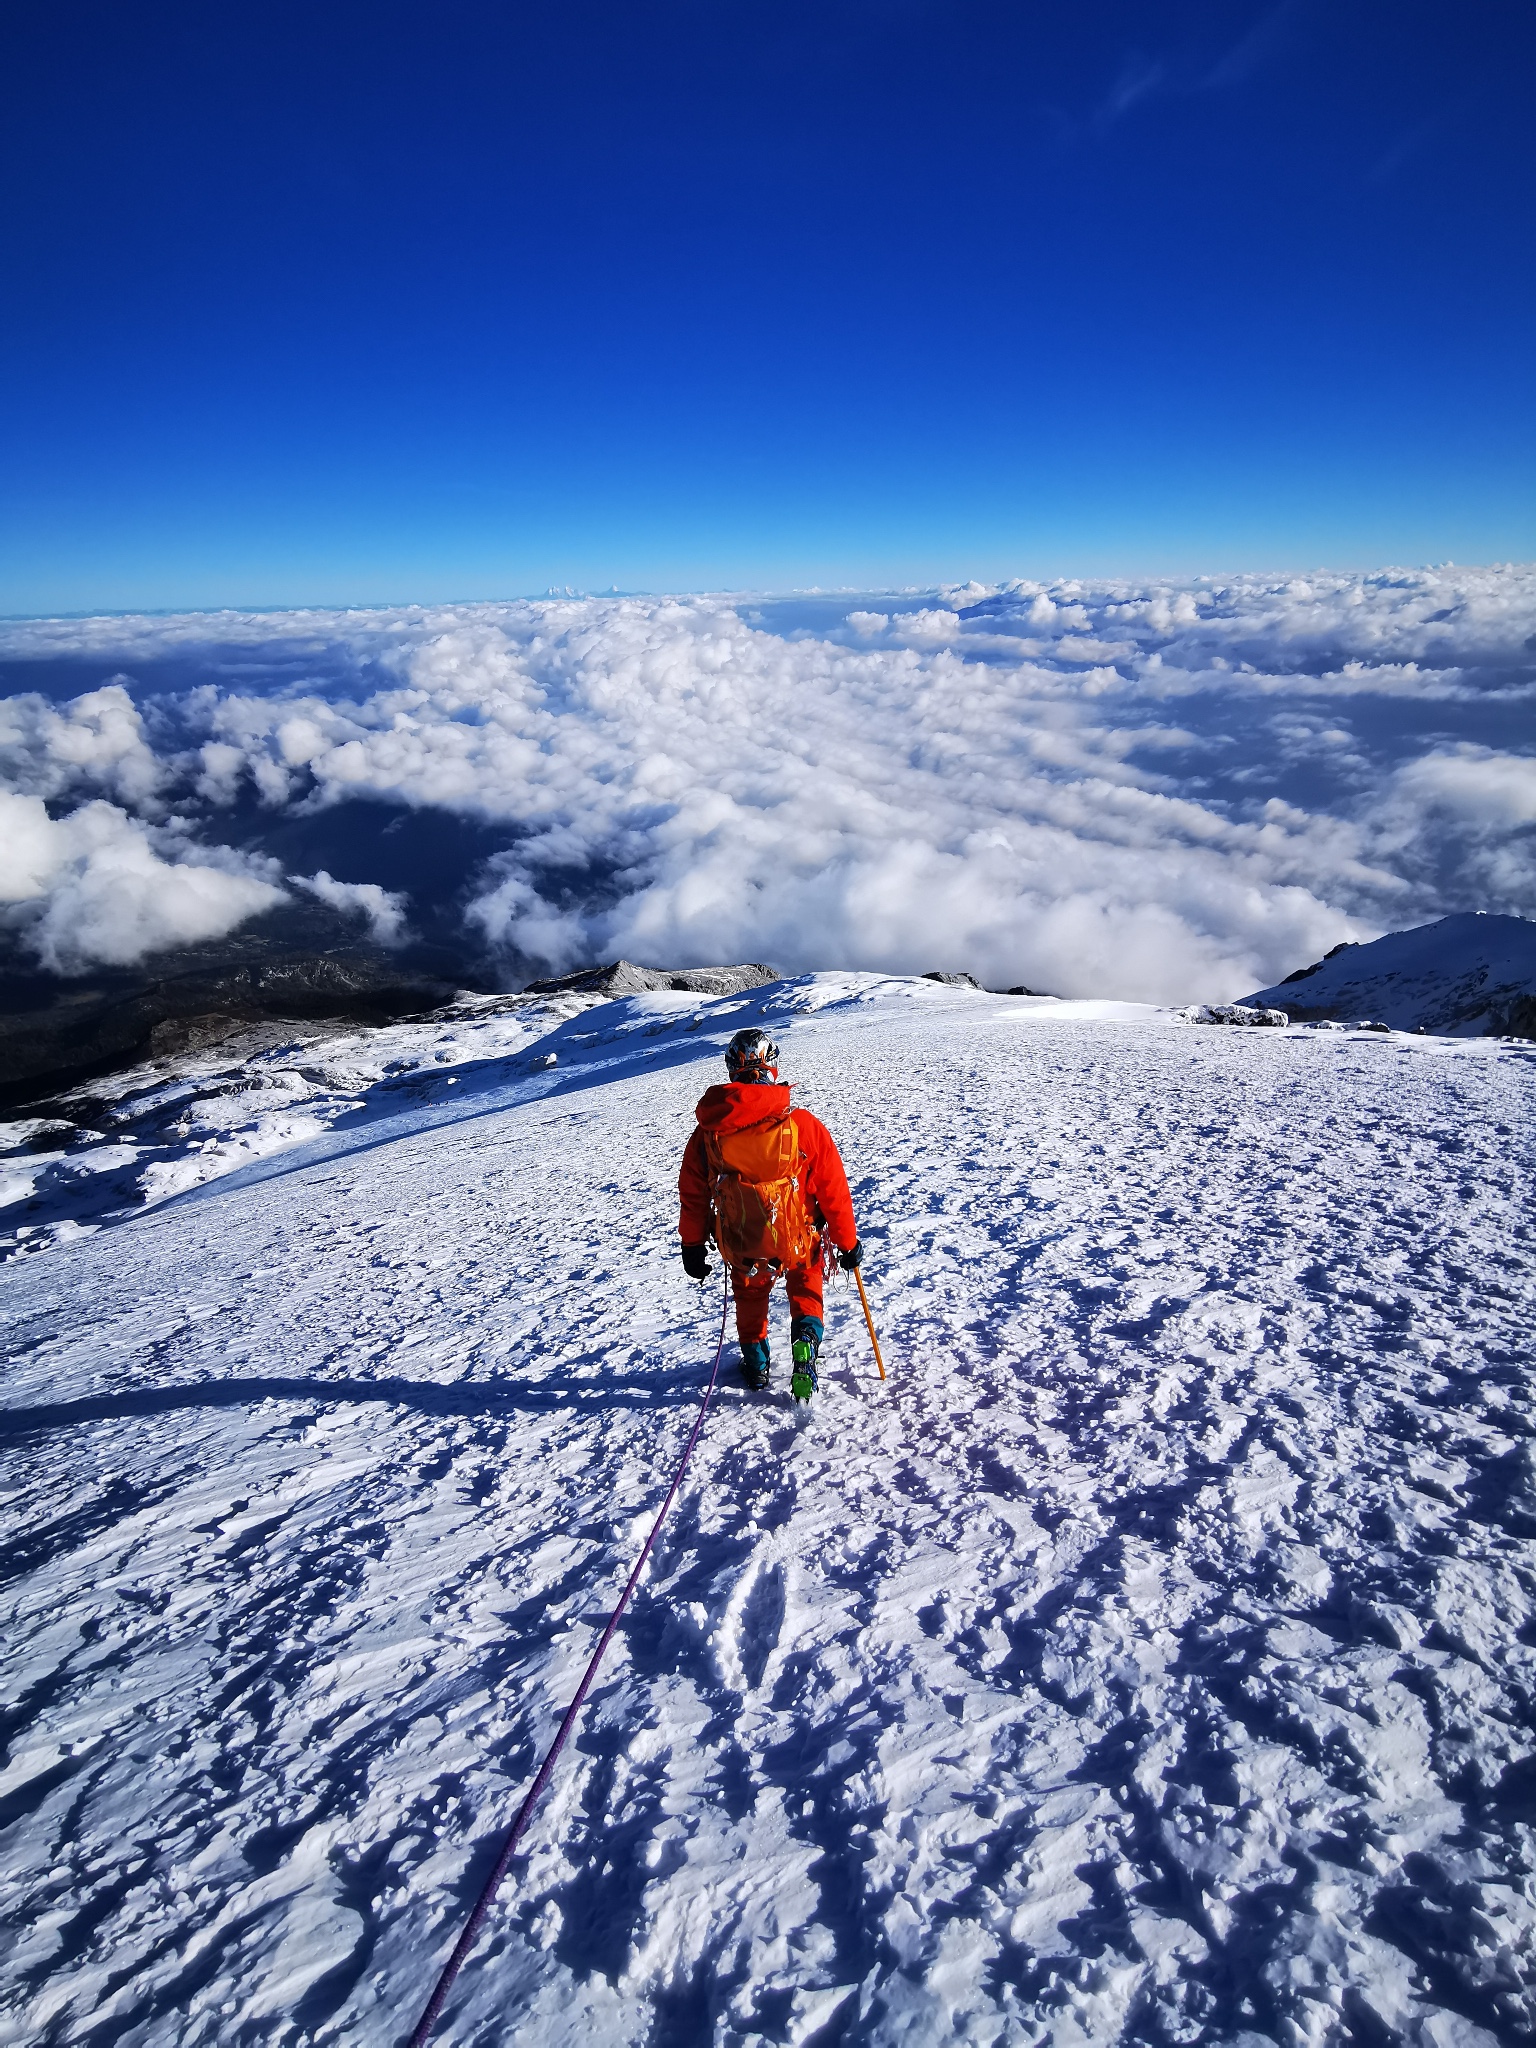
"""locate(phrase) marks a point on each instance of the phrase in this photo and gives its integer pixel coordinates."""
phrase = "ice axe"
(863, 1297)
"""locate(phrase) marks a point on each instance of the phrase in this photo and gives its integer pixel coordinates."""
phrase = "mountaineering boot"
(805, 1346)
(755, 1365)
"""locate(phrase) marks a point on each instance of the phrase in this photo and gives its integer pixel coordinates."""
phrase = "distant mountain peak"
(1470, 975)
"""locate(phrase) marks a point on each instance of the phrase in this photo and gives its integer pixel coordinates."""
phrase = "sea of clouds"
(1172, 791)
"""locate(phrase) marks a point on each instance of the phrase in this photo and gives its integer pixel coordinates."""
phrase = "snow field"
(1150, 1658)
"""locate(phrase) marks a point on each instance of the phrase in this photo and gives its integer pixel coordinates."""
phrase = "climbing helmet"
(752, 1056)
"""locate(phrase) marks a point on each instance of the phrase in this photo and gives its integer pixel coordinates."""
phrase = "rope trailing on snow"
(473, 1924)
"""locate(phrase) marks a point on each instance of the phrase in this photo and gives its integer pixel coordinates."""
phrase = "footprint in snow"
(751, 1626)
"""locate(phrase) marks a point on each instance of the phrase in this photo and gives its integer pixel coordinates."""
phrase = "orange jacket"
(730, 1107)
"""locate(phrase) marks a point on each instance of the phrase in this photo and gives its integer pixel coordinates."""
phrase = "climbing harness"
(472, 1925)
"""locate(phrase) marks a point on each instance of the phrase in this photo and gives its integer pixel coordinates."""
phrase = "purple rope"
(472, 1925)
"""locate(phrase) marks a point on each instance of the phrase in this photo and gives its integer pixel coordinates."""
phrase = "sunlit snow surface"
(1150, 1658)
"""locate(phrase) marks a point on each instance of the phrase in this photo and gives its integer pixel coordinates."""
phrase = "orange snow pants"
(753, 1289)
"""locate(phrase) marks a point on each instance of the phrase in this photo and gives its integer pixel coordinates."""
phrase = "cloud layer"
(1167, 791)
(95, 888)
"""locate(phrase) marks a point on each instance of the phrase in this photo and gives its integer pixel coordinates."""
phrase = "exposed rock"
(303, 963)
(190, 1034)
(1305, 973)
(55, 1037)
(1514, 1019)
(952, 980)
(1236, 1013)
(624, 978)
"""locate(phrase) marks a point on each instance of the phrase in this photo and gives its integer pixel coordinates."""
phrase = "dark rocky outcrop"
(624, 978)
(292, 967)
(1238, 1013)
(1306, 973)
(1514, 1019)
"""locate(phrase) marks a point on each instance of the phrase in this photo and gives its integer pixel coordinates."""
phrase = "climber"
(766, 1182)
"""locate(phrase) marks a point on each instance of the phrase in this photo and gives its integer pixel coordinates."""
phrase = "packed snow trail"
(1150, 1658)
(482, 1906)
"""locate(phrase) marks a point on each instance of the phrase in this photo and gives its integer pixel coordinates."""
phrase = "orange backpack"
(760, 1212)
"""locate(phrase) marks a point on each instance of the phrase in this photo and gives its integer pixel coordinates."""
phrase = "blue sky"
(356, 305)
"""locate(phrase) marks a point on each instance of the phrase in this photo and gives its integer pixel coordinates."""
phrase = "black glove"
(696, 1261)
(851, 1260)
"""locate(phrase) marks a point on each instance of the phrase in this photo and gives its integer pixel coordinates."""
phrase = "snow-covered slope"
(140, 1137)
(1464, 976)
(1149, 1659)
(116, 1146)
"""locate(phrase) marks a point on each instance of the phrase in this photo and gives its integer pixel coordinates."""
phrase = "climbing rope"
(472, 1925)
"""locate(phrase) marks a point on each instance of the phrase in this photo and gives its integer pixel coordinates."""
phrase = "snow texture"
(1148, 1659)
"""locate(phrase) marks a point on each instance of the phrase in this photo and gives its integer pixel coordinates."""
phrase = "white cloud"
(384, 910)
(976, 778)
(97, 742)
(1479, 800)
(91, 889)
(1488, 791)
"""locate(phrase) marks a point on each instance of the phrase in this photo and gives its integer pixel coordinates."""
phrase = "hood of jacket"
(735, 1105)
